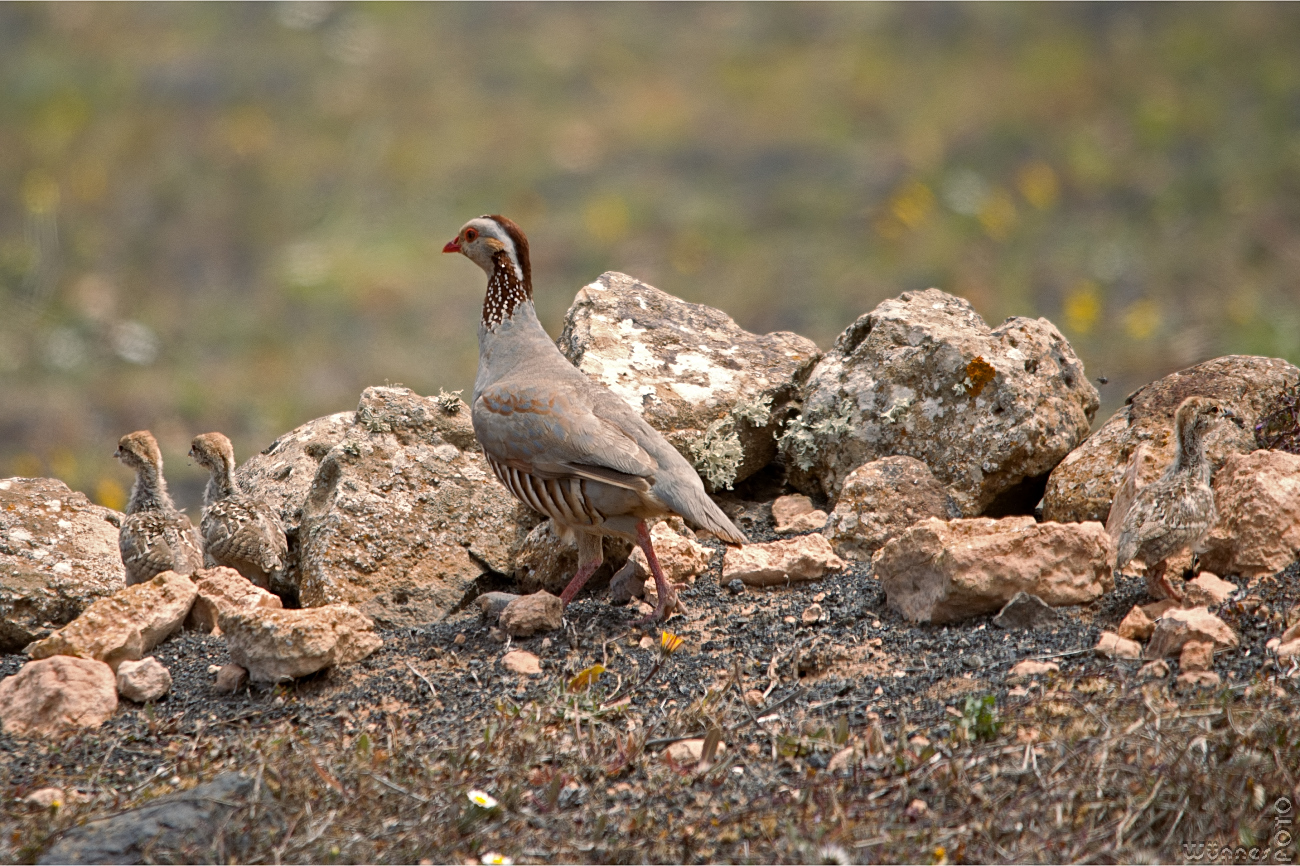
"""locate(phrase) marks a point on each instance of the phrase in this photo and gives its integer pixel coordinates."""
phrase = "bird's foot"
(664, 608)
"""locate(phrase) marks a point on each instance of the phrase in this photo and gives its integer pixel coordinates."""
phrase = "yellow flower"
(669, 642)
(586, 678)
(492, 858)
(483, 800)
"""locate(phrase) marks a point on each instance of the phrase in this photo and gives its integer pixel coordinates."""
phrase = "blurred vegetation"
(229, 216)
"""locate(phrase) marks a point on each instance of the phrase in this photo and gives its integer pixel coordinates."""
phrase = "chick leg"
(1158, 585)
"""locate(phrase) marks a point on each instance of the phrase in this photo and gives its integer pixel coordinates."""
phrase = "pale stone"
(278, 645)
(1136, 625)
(1293, 633)
(1188, 680)
(796, 514)
(1157, 609)
(880, 500)
(221, 589)
(684, 751)
(803, 558)
(1208, 590)
(46, 798)
(989, 410)
(230, 679)
(717, 392)
(1288, 650)
(58, 553)
(125, 625)
(811, 614)
(144, 680)
(917, 809)
(1113, 646)
(1196, 655)
(529, 614)
(1257, 497)
(1032, 668)
(490, 604)
(1180, 625)
(522, 662)
(945, 571)
(1156, 670)
(1085, 483)
(56, 696)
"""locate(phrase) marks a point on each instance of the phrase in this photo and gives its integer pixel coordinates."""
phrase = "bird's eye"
(471, 235)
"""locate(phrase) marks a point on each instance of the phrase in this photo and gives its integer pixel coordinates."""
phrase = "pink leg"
(667, 596)
(1158, 584)
(590, 556)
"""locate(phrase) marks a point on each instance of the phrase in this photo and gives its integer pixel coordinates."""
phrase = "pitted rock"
(58, 553)
(774, 563)
(529, 614)
(945, 571)
(717, 392)
(144, 680)
(1083, 486)
(403, 513)
(222, 588)
(882, 498)
(126, 625)
(990, 411)
(1257, 496)
(56, 696)
(279, 645)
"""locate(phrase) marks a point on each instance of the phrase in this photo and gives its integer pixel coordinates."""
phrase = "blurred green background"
(229, 217)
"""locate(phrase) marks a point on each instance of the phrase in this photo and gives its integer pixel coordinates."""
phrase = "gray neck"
(220, 485)
(1191, 456)
(149, 493)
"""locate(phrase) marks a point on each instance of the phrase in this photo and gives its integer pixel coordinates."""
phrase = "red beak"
(453, 246)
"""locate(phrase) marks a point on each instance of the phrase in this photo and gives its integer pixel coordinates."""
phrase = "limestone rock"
(1288, 650)
(1192, 680)
(58, 553)
(529, 614)
(222, 588)
(278, 645)
(166, 829)
(1156, 670)
(544, 561)
(1026, 611)
(1084, 484)
(692, 750)
(717, 392)
(230, 679)
(403, 513)
(803, 558)
(944, 571)
(1112, 646)
(796, 514)
(1031, 668)
(990, 411)
(143, 681)
(882, 498)
(490, 604)
(1136, 625)
(522, 662)
(1257, 496)
(1179, 625)
(126, 625)
(55, 696)
(1208, 590)
(1196, 655)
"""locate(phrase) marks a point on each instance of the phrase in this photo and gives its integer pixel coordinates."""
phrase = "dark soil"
(373, 762)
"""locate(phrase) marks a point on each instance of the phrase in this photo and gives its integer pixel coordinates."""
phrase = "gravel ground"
(859, 669)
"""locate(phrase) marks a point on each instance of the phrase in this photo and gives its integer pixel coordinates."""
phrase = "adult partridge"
(154, 536)
(1175, 511)
(563, 444)
(239, 531)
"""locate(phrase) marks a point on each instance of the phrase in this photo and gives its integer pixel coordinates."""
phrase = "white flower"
(483, 800)
(492, 858)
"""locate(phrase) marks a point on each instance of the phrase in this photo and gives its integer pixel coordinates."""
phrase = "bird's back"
(154, 541)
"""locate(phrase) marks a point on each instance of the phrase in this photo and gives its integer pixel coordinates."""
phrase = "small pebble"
(736, 586)
(459, 640)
